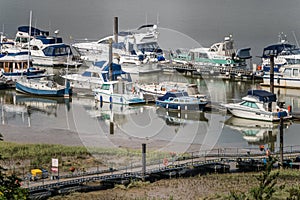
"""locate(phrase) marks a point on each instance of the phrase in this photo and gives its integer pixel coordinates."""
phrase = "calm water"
(182, 24)
(81, 121)
(253, 23)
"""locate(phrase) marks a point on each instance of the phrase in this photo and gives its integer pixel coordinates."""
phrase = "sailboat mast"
(29, 34)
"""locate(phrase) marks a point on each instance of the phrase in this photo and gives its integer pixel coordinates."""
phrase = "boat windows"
(287, 71)
(148, 47)
(295, 72)
(249, 104)
(228, 45)
(292, 61)
(35, 48)
(96, 75)
(105, 86)
(21, 39)
(192, 55)
(202, 55)
(214, 48)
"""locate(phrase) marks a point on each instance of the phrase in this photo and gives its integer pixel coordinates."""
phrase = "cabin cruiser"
(118, 92)
(287, 77)
(93, 77)
(135, 46)
(258, 105)
(16, 62)
(286, 54)
(221, 54)
(180, 100)
(45, 50)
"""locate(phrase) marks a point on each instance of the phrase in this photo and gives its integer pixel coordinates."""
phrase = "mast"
(29, 34)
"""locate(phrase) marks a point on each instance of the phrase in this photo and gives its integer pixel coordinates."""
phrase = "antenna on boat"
(295, 38)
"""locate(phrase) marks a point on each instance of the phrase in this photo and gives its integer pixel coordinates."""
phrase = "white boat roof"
(250, 98)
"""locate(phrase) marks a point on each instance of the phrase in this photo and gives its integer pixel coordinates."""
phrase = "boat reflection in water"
(177, 118)
(257, 132)
(41, 104)
(14, 104)
(113, 112)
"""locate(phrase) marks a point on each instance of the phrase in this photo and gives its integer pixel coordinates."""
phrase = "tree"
(267, 181)
(10, 185)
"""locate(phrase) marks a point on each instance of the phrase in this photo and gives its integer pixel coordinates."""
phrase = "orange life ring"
(258, 67)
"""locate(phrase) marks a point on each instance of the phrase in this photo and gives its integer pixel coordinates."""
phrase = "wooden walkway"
(181, 167)
(212, 71)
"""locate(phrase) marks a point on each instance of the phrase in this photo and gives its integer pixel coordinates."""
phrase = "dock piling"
(116, 29)
(143, 161)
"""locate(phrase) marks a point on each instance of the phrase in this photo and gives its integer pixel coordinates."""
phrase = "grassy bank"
(23, 157)
(213, 186)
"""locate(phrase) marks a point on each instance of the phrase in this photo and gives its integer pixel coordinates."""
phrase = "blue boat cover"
(276, 49)
(57, 50)
(172, 94)
(99, 63)
(34, 31)
(263, 95)
(244, 53)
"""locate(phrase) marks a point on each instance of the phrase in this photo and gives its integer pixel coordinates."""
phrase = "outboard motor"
(141, 57)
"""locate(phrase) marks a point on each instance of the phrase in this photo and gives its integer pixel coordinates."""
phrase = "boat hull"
(181, 106)
(43, 92)
(282, 82)
(125, 99)
(256, 114)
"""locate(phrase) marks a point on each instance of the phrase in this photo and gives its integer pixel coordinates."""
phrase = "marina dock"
(215, 162)
(229, 73)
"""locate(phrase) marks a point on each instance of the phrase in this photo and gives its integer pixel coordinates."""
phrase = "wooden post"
(272, 74)
(281, 142)
(110, 62)
(143, 161)
(116, 29)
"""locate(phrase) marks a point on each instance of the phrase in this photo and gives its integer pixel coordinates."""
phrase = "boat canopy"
(116, 72)
(263, 95)
(146, 26)
(34, 31)
(57, 50)
(276, 49)
(244, 53)
(172, 94)
(46, 40)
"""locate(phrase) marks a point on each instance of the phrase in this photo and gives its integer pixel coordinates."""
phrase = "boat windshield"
(292, 61)
(105, 86)
(249, 104)
(148, 47)
(291, 52)
(289, 72)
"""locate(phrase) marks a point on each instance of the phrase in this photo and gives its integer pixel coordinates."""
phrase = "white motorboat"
(118, 92)
(288, 77)
(16, 62)
(181, 101)
(287, 54)
(93, 77)
(258, 105)
(160, 89)
(134, 46)
(45, 50)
